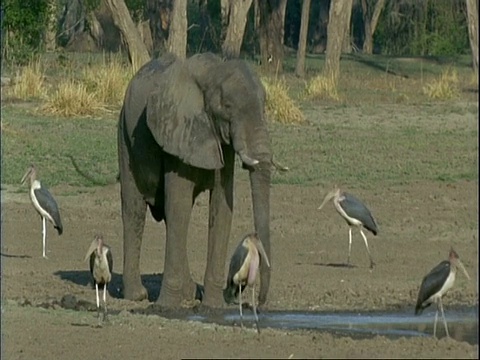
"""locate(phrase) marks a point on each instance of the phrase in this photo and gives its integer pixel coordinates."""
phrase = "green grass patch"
(48, 142)
(364, 153)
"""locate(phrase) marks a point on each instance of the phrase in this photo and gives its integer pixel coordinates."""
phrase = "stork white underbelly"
(446, 286)
(101, 272)
(37, 206)
(246, 275)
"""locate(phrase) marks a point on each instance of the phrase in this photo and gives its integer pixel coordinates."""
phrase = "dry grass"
(321, 87)
(108, 80)
(29, 82)
(280, 107)
(446, 86)
(72, 99)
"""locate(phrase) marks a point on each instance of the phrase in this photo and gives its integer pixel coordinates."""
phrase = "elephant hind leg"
(134, 210)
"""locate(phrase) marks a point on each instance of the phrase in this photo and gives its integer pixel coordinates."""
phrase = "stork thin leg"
(372, 264)
(44, 236)
(255, 309)
(443, 316)
(349, 244)
(240, 302)
(435, 323)
(98, 300)
(105, 301)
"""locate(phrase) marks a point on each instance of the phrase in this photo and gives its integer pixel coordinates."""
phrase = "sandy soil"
(414, 236)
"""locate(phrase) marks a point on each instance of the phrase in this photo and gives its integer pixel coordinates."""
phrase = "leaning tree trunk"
(370, 25)
(472, 10)
(237, 18)
(177, 35)
(339, 19)
(302, 39)
(271, 24)
(137, 50)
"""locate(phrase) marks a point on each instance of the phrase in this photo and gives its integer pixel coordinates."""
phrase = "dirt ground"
(415, 235)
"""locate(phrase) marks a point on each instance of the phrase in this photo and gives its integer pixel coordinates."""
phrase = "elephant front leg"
(177, 283)
(219, 226)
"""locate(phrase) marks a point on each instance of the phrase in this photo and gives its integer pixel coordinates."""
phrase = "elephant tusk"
(247, 160)
(279, 167)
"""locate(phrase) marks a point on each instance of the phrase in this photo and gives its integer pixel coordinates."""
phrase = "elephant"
(180, 126)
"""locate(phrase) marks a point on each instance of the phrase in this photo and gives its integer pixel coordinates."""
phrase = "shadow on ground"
(15, 256)
(152, 282)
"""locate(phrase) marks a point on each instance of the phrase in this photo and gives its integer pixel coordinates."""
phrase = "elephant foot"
(213, 297)
(171, 297)
(135, 293)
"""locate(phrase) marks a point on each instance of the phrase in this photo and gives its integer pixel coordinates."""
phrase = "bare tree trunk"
(370, 25)
(158, 13)
(143, 28)
(177, 35)
(51, 33)
(224, 13)
(271, 24)
(302, 39)
(472, 10)
(347, 41)
(96, 29)
(236, 27)
(137, 50)
(318, 37)
(340, 13)
(72, 22)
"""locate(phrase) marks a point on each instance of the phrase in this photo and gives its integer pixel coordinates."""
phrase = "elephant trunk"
(258, 147)
(260, 186)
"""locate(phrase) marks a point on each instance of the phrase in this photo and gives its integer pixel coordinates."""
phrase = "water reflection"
(462, 324)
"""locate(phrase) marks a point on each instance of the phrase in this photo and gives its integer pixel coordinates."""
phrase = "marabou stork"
(435, 285)
(101, 268)
(355, 214)
(44, 203)
(243, 271)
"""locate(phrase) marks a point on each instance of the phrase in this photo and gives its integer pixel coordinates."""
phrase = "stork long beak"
(261, 249)
(327, 198)
(91, 249)
(462, 267)
(27, 174)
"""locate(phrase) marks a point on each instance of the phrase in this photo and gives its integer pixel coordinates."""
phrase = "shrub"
(108, 80)
(280, 107)
(321, 87)
(72, 98)
(29, 82)
(445, 87)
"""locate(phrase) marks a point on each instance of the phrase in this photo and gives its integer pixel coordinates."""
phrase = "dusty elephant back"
(141, 86)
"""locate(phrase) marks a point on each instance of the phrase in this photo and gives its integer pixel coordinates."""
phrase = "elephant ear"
(177, 120)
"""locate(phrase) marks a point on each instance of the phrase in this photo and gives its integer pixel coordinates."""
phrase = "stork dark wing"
(92, 263)
(238, 258)
(354, 208)
(431, 284)
(110, 260)
(48, 203)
